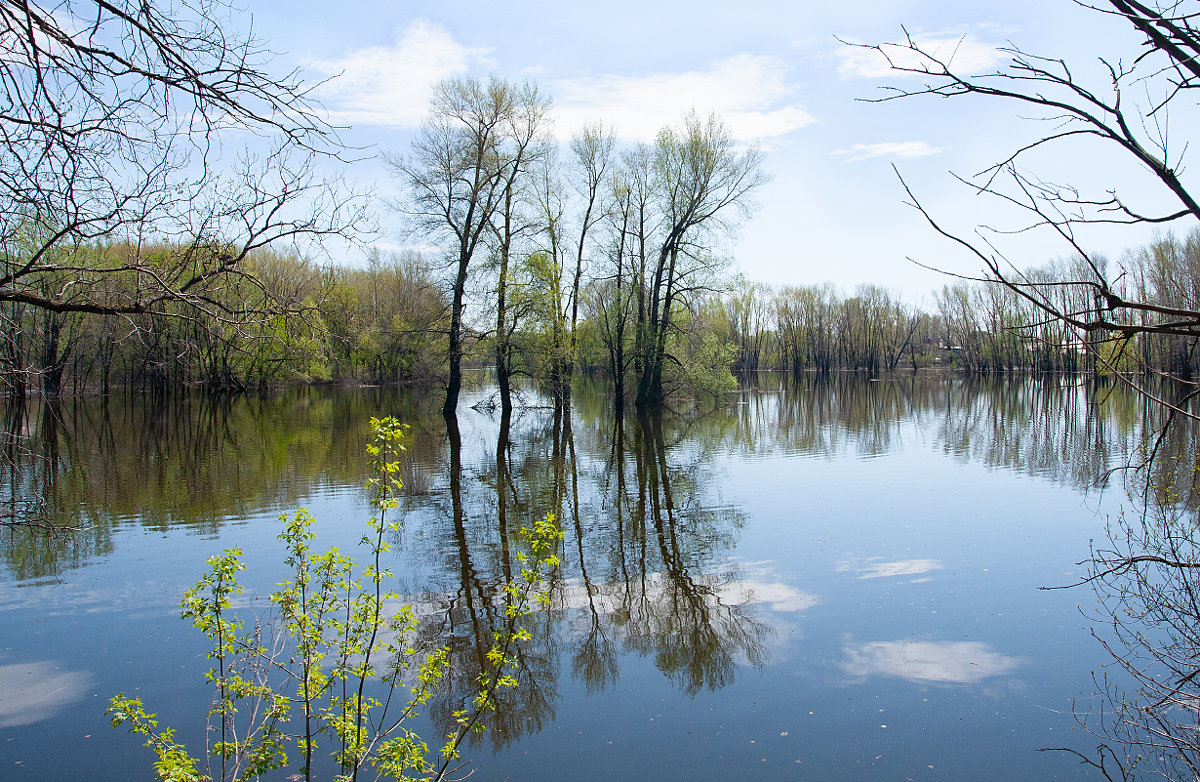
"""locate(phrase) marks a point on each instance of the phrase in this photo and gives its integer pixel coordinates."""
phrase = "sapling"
(333, 665)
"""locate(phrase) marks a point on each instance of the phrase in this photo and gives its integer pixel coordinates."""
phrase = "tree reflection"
(645, 568)
(202, 460)
(1147, 579)
(1073, 432)
(80, 468)
(700, 634)
(595, 658)
(44, 532)
(478, 555)
(664, 573)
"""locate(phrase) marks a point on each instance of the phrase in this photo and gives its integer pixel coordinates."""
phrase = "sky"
(781, 77)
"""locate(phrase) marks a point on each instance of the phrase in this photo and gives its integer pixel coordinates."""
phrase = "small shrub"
(302, 679)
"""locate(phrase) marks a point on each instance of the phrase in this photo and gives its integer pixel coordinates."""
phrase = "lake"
(813, 579)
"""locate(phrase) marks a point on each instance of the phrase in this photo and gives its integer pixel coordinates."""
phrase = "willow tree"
(702, 185)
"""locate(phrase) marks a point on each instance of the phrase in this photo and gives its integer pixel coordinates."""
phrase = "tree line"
(389, 321)
(312, 324)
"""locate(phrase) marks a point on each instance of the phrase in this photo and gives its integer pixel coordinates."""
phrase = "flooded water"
(817, 579)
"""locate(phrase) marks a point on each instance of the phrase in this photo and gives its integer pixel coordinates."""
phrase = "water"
(815, 580)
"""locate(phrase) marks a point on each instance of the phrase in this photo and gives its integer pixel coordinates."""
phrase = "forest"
(388, 322)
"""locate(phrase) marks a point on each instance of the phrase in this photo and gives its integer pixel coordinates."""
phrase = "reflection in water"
(693, 635)
(196, 461)
(202, 461)
(37, 691)
(776, 596)
(472, 543)
(645, 562)
(874, 568)
(1067, 431)
(928, 662)
(649, 558)
(1147, 578)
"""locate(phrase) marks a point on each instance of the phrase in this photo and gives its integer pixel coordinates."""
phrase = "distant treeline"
(280, 319)
(287, 320)
(974, 326)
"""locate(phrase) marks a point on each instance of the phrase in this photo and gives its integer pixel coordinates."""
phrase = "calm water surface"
(816, 580)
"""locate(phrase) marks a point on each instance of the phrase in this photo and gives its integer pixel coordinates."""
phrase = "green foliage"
(1117, 355)
(706, 369)
(701, 356)
(324, 670)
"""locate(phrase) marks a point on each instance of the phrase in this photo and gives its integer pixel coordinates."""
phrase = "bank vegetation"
(388, 321)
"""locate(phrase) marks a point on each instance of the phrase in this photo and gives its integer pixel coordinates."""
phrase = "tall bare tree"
(525, 148)
(702, 183)
(455, 175)
(592, 153)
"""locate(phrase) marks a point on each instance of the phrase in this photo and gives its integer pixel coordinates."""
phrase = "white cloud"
(875, 568)
(963, 54)
(893, 149)
(38, 691)
(929, 662)
(390, 85)
(750, 93)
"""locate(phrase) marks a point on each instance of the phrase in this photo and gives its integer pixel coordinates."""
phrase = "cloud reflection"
(775, 595)
(38, 691)
(873, 568)
(608, 598)
(928, 662)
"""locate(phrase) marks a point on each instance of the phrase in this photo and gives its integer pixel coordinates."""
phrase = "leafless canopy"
(149, 123)
(1128, 111)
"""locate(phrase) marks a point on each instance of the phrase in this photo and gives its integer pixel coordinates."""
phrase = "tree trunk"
(454, 382)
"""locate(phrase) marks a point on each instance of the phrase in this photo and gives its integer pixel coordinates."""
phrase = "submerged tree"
(526, 147)
(464, 178)
(592, 153)
(455, 180)
(702, 184)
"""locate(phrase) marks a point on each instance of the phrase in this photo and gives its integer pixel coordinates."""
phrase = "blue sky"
(778, 76)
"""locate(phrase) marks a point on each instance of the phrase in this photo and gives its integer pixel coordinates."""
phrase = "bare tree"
(702, 183)
(524, 150)
(125, 122)
(455, 175)
(1128, 112)
(592, 151)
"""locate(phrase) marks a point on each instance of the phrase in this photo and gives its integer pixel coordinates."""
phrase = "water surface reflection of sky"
(743, 592)
(928, 662)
